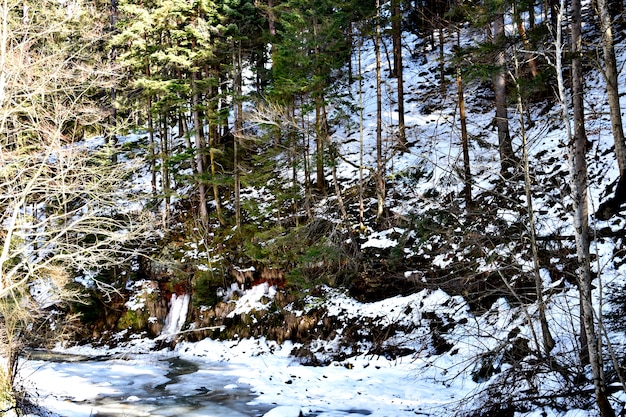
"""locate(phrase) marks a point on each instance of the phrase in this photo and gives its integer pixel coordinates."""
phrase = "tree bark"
(507, 158)
(3, 50)
(547, 339)
(521, 29)
(111, 135)
(608, 209)
(578, 184)
(199, 143)
(396, 30)
(238, 131)
(361, 135)
(165, 172)
(380, 166)
(467, 173)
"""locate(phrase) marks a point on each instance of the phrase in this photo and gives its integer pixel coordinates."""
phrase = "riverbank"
(239, 378)
(400, 373)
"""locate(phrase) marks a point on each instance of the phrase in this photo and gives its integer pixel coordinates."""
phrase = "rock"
(284, 411)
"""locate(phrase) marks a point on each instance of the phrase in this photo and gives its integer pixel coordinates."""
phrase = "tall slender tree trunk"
(442, 56)
(507, 158)
(306, 150)
(467, 173)
(165, 173)
(152, 144)
(321, 130)
(578, 184)
(612, 89)
(361, 134)
(521, 30)
(4, 34)
(199, 143)
(380, 165)
(238, 130)
(579, 134)
(547, 339)
(271, 18)
(110, 137)
(213, 139)
(398, 72)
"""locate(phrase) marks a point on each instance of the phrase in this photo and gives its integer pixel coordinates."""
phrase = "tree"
(398, 71)
(546, 336)
(170, 52)
(577, 145)
(60, 201)
(612, 206)
(507, 158)
(311, 45)
(380, 162)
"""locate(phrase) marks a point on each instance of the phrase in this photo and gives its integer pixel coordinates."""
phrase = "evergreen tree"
(169, 50)
(312, 46)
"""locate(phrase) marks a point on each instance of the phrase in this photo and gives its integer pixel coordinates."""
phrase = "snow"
(257, 298)
(363, 384)
(423, 382)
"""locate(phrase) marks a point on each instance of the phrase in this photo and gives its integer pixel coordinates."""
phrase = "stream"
(140, 385)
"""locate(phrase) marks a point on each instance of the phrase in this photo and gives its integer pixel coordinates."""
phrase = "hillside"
(429, 309)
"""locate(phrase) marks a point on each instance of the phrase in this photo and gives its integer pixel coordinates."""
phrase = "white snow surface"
(363, 384)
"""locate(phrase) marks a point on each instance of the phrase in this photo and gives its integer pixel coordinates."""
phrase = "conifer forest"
(440, 183)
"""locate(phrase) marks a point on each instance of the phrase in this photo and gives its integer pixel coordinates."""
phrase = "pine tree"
(312, 45)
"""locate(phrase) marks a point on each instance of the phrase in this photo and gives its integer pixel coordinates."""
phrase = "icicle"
(176, 317)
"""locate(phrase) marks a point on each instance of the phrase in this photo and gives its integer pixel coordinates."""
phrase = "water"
(176, 316)
(143, 386)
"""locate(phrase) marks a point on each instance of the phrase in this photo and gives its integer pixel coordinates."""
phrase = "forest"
(182, 154)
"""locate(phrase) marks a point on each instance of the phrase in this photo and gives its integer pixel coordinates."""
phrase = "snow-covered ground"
(135, 380)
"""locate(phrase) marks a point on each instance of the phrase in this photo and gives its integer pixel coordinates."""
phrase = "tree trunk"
(396, 30)
(611, 207)
(547, 339)
(238, 131)
(271, 18)
(442, 59)
(165, 173)
(578, 185)
(361, 135)
(111, 137)
(380, 166)
(213, 139)
(200, 148)
(467, 173)
(579, 134)
(521, 29)
(3, 50)
(507, 159)
(153, 176)
(319, 144)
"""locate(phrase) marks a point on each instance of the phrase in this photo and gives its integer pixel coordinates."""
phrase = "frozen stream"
(139, 385)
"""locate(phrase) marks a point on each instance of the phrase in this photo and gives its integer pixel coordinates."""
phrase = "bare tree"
(64, 208)
(63, 212)
(578, 183)
(547, 339)
(608, 208)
